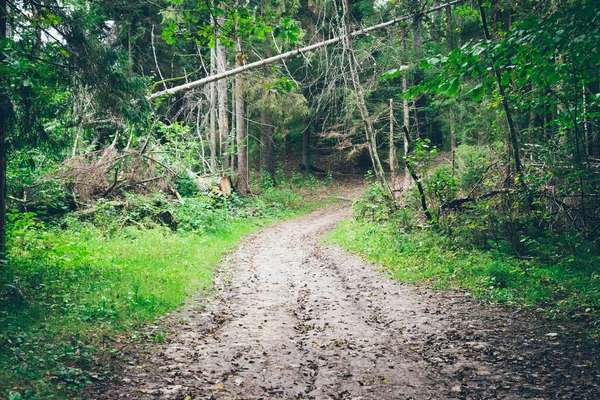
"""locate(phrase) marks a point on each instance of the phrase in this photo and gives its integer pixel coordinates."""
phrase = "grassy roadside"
(566, 288)
(74, 285)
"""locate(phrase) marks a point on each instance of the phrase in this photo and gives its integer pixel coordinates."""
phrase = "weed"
(568, 286)
(74, 284)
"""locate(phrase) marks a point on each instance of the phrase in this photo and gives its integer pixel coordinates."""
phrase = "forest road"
(295, 319)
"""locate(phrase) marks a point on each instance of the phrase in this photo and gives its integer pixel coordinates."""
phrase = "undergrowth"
(75, 284)
(563, 285)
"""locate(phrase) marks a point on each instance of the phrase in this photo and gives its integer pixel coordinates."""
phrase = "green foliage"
(372, 205)
(473, 164)
(80, 285)
(566, 286)
(441, 186)
(186, 186)
(267, 181)
(75, 284)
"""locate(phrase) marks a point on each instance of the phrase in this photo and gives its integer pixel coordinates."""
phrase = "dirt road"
(294, 319)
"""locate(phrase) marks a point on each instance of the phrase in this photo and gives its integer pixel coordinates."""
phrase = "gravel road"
(294, 319)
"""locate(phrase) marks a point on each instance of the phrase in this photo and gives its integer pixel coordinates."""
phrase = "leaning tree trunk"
(362, 107)
(4, 106)
(242, 147)
(507, 113)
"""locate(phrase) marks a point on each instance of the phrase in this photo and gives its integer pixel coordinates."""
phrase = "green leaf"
(476, 93)
(454, 85)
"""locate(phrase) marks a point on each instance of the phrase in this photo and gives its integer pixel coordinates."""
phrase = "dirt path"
(296, 320)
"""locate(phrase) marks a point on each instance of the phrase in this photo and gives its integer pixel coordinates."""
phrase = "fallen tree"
(292, 53)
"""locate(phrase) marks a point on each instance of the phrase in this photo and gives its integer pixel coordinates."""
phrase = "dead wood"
(225, 186)
(458, 203)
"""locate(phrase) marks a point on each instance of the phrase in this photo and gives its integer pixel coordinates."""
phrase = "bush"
(471, 164)
(186, 186)
(372, 205)
(440, 186)
(201, 214)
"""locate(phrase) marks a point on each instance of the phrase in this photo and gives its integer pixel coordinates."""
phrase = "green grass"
(566, 287)
(72, 288)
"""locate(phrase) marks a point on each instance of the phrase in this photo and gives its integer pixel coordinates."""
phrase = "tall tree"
(4, 109)
(213, 138)
(222, 90)
(242, 146)
(362, 107)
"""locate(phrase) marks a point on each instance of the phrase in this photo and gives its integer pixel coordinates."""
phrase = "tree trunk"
(268, 147)
(511, 127)
(4, 107)
(232, 130)
(415, 177)
(420, 102)
(392, 155)
(214, 143)
(405, 111)
(451, 122)
(242, 147)
(222, 91)
(362, 107)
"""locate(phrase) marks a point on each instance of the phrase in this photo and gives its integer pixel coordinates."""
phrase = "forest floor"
(292, 318)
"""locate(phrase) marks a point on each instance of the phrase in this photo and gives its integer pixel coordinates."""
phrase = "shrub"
(472, 162)
(372, 205)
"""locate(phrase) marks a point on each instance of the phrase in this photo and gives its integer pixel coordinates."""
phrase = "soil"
(295, 319)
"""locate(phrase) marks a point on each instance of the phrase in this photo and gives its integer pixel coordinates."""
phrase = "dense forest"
(135, 133)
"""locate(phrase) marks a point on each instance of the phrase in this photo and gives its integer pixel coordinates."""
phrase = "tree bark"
(222, 99)
(232, 129)
(415, 177)
(451, 122)
(240, 123)
(392, 155)
(213, 110)
(405, 111)
(420, 102)
(4, 107)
